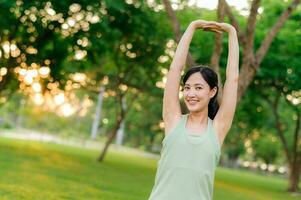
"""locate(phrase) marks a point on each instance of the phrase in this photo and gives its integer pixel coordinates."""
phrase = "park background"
(81, 87)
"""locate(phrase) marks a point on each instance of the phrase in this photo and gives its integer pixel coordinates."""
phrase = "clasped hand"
(212, 26)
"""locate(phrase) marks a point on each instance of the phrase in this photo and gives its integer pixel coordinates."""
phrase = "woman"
(192, 142)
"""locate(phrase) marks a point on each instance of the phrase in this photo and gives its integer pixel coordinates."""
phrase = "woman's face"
(197, 93)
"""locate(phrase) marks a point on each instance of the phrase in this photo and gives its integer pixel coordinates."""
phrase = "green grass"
(31, 170)
(234, 185)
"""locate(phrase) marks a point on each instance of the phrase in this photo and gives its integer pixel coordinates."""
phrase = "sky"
(212, 4)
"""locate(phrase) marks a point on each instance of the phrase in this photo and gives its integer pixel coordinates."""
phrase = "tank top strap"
(176, 130)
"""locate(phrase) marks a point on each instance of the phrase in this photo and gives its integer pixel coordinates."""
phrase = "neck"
(199, 117)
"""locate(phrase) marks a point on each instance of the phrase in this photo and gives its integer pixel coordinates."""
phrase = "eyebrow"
(195, 84)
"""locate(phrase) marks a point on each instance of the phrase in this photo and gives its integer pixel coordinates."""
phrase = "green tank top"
(186, 168)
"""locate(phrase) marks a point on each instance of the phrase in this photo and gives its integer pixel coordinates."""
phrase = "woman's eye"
(198, 88)
(186, 88)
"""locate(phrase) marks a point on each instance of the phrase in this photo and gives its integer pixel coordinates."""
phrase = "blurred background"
(81, 87)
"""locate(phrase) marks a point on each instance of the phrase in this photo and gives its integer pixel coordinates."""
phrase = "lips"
(192, 102)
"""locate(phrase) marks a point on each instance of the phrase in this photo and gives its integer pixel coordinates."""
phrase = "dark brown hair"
(212, 79)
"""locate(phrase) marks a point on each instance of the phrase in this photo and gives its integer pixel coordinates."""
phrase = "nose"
(191, 93)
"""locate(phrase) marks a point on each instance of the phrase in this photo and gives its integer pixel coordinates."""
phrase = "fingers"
(208, 24)
(213, 23)
(212, 29)
(200, 22)
(214, 26)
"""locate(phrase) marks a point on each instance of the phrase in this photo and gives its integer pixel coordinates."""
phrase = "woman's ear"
(213, 91)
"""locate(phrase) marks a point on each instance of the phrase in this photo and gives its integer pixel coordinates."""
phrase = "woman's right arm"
(171, 112)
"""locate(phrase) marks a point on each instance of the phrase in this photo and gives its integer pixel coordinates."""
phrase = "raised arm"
(171, 112)
(224, 117)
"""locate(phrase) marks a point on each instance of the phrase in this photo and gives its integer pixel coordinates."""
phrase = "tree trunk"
(110, 139)
(294, 176)
(151, 141)
(246, 76)
(295, 165)
(292, 154)
(218, 48)
(120, 131)
(119, 118)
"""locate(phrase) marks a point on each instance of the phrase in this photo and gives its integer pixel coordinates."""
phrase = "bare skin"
(197, 92)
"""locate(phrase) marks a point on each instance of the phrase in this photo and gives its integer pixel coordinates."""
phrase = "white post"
(97, 113)
(120, 132)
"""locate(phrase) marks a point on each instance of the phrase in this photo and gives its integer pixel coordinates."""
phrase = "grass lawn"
(31, 170)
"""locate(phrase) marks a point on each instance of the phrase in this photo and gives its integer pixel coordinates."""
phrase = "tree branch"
(176, 30)
(261, 52)
(241, 35)
(218, 47)
(251, 25)
(129, 106)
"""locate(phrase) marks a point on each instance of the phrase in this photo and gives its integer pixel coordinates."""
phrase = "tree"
(131, 69)
(251, 58)
(278, 85)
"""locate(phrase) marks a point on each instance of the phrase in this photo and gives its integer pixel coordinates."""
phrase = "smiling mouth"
(192, 102)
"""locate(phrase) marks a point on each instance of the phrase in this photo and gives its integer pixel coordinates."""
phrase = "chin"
(193, 109)
(197, 108)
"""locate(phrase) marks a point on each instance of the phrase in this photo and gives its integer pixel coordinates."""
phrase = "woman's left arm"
(224, 117)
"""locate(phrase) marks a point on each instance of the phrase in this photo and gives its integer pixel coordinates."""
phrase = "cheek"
(203, 94)
(206, 93)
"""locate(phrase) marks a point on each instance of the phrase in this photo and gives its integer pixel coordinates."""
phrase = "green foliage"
(234, 147)
(267, 148)
(279, 75)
